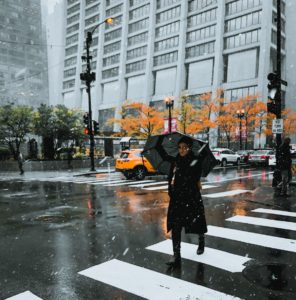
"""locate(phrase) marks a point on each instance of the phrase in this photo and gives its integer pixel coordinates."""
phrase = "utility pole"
(89, 77)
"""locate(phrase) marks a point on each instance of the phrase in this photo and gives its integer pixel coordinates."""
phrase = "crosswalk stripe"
(275, 212)
(162, 187)
(224, 194)
(217, 258)
(149, 184)
(263, 222)
(150, 284)
(125, 183)
(110, 181)
(253, 238)
(24, 296)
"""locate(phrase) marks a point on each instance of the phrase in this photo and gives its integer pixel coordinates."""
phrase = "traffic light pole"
(88, 87)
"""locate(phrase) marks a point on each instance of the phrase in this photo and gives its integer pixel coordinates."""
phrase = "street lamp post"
(169, 103)
(240, 114)
(89, 77)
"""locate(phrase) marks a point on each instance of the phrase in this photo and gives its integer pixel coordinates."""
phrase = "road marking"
(216, 258)
(149, 284)
(162, 187)
(242, 177)
(263, 222)
(24, 296)
(110, 181)
(225, 194)
(126, 183)
(148, 184)
(275, 212)
(253, 238)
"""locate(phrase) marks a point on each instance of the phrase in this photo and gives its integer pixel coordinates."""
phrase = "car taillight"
(250, 156)
(264, 156)
(217, 154)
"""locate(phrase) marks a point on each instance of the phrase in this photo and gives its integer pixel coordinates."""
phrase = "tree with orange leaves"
(289, 118)
(138, 120)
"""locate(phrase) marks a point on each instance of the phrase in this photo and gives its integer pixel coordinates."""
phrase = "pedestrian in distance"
(20, 160)
(285, 165)
(186, 209)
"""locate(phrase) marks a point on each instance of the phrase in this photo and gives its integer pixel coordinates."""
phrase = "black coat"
(285, 161)
(186, 207)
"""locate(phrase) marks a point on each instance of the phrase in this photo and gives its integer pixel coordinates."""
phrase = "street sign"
(166, 125)
(277, 126)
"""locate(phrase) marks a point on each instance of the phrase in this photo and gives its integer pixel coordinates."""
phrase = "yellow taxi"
(133, 164)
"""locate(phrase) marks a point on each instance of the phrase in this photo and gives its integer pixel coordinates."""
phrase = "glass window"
(112, 47)
(136, 66)
(110, 73)
(137, 52)
(165, 58)
(137, 39)
(139, 12)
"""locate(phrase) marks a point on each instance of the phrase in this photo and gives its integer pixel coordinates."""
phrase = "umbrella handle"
(200, 150)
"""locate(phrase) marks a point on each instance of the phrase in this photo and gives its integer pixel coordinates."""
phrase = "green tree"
(15, 124)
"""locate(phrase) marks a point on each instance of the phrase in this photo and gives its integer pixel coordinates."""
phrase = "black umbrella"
(161, 150)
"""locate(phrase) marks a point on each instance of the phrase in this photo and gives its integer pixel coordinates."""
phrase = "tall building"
(23, 62)
(165, 48)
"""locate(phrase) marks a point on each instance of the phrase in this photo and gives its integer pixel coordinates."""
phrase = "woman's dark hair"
(186, 140)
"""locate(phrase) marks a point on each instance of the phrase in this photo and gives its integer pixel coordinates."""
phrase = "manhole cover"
(278, 277)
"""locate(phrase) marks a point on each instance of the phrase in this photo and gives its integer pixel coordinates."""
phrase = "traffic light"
(273, 86)
(272, 107)
(96, 127)
(88, 77)
(86, 123)
(86, 130)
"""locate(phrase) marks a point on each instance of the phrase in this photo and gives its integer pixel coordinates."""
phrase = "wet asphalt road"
(51, 230)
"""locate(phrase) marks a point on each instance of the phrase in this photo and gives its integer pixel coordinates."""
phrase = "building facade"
(23, 61)
(165, 48)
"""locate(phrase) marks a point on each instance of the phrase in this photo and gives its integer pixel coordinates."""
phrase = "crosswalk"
(149, 284)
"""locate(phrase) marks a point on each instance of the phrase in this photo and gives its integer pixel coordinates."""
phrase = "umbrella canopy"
(161, 151)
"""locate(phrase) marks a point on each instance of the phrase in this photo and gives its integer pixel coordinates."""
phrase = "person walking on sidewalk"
(186, 207)
(285, 165)
(20, 160)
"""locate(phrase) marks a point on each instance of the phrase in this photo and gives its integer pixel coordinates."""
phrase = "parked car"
(261, 157)
(133, 164)
(244, 155)
(225, 156)
(272, 161)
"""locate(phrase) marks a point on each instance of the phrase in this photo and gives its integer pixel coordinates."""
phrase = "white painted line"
(124, 183)
(264, 222)
(150, 284)
(225, 194)
(242, 177)
(208, 186)
(24, 296)
(216, 258)
(148, 184)
(110, 181)
(162, 187)
(275, 212)
(253, 238)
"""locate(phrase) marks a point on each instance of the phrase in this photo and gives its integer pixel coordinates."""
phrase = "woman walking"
(186, 208)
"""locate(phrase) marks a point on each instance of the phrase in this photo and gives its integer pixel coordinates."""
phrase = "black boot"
(201, 245)
(176, 262)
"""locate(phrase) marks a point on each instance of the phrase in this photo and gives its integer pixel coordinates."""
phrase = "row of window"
(241, 5)
(201, 34)
(274, 21)
(242, 39)
(112, 2)
(202, 18)
(109, 36)
(167, 29)
(165, 58)
(194, 5)
(139, 12)
(69, 84)
(274, 39)
(234, 94)
(70, 61)
(167, 44)
(143, 24)
(71, 39)
(72, 28)
(69, 2)
(71, 50)
(200, 50)
(112, 47)
(168, 14)
(136, 2)
(283, 6)
(70, 73)
(136, 66)
(73, 19)
(73, 9)
(110, 73)
(111, 60)
(114, 10)
(93, 9)
(165, 3)
(137, 39)
(92, 20)
(137, 52)
(243, 21)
